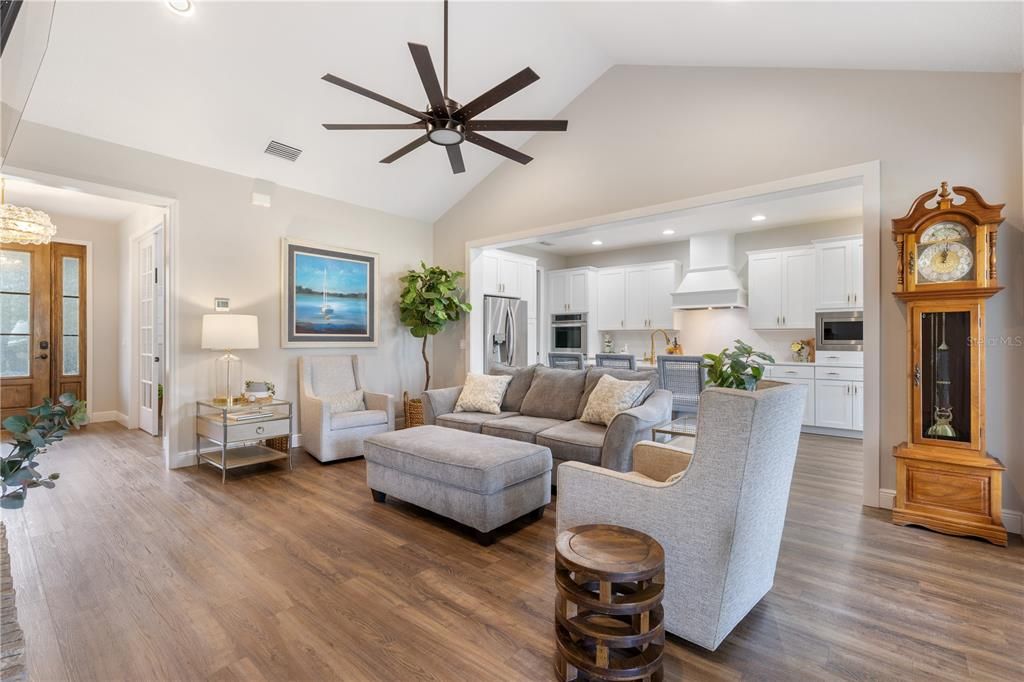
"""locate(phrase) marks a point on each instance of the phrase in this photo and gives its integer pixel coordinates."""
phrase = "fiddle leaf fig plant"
(430, 299)
(33, 433)
(741, 367)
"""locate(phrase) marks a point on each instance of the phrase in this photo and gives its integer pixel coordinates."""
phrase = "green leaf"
(17, 424)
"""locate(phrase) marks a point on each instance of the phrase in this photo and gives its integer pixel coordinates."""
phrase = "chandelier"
(20, 225)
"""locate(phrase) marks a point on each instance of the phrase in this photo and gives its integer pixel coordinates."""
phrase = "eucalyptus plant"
(430, 299)
(33, 433)
(740, 367)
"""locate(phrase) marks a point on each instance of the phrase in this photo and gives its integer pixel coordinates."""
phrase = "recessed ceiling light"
(758, 218)
(180, 6)
(668, 232)
(597, 242)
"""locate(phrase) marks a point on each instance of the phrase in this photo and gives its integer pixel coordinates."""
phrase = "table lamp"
(229, 333)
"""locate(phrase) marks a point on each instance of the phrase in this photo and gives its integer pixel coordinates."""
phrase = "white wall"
(709, 130)
(104, 311)
(228, 247)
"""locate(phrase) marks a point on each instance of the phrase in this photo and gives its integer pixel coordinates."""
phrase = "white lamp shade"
(230, 332)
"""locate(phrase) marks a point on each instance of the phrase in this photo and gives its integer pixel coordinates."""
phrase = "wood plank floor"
(129, 572)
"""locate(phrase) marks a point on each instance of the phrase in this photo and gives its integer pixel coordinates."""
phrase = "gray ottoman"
(480, 481)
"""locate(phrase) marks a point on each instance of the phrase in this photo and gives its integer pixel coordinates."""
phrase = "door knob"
(42, 356)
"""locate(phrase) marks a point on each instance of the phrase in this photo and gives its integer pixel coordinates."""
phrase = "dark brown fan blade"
(425, 67)
(342, 83)
(506, 88)
(455, 158)
(497, 147)
(372, 126)
(404, 150)
(556, 126)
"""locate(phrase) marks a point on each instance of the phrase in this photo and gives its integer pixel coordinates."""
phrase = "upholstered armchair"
(718, 511)
(331, 435)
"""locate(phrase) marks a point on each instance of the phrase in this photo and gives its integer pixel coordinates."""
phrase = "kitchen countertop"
(818, 364)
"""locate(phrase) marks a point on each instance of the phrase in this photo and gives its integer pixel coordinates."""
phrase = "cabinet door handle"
(783, 320)
(260, 429)
(833, 374)
(790, 371)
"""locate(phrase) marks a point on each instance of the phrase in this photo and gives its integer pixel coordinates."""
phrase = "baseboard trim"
(827, 431)
(188, 457)
(1013, 521)
(109, 416)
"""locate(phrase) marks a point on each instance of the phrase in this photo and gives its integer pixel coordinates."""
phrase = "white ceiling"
(788, 208)
(215, 86)
(66, 201)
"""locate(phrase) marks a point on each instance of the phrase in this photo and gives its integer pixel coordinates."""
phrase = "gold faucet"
(652, 358)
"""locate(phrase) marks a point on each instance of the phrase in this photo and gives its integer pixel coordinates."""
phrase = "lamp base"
(228, 376)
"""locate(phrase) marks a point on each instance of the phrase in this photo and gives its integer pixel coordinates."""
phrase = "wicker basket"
(413, 410)
(279, 443)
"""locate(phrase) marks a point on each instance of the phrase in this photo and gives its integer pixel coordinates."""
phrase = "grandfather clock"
(945, 478)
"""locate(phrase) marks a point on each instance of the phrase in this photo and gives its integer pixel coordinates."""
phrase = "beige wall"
(704, 130)
(228, 247)
(105, 314)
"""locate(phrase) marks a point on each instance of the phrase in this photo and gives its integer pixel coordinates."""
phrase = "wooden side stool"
(609, 622)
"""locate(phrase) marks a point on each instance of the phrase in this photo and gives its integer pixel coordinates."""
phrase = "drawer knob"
(260, 429)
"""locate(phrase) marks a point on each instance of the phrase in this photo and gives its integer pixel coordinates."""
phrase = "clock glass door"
(945, 376)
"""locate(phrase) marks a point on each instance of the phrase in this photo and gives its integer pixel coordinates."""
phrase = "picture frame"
(330, 296)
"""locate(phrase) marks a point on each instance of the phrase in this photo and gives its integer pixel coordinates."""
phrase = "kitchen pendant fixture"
(445, 122)
(20, 225)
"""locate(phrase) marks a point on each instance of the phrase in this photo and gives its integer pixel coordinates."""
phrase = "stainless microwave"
(840, 330)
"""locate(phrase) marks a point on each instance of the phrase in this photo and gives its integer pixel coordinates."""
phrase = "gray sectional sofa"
(543, 406)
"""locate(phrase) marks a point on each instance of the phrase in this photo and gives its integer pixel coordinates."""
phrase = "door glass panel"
(15, 321)
(70, 359)
(946, 376)
(15, 271)
(70, 276)
(70, 316)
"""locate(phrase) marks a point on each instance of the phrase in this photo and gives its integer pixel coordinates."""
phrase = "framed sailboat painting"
(329, 296)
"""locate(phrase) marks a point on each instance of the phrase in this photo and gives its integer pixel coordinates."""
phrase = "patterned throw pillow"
(610, 397)
(347, 402)
(483, 393)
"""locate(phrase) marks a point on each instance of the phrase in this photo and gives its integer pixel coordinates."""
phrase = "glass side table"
(246, 423)
(685, 425)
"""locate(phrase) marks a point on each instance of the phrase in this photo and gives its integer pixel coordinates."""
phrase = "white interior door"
(147, 329)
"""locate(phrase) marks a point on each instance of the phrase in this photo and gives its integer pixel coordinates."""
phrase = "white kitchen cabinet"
(509, 274)
(833, 404)
(492, 280)
(570, 290)
(858, 406)
(527, 282)
(579, 289)
(611, 299)
(796, 374)
(637, 292)
(780, 287)
(662, 281)
(840, 279)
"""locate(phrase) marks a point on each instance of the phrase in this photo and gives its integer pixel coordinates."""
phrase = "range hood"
(711, 280)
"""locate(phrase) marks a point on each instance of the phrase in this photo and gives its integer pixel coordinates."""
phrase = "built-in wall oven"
(569, 333)
(840, 330)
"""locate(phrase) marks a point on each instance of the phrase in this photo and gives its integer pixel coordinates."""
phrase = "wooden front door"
(42, 324)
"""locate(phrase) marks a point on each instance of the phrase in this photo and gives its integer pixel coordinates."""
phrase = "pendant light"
(20, 225)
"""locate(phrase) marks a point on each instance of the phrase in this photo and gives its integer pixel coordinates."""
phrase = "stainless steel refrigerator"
(505, 332)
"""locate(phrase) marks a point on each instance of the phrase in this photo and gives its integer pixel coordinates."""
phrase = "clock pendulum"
(943, 426)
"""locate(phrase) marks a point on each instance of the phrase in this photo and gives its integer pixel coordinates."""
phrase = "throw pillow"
(522, 377)
(610, 397)
(554, 393)
(352, 401)
(594, 375)
(482, 393)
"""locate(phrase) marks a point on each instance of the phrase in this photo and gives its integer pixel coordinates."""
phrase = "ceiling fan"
(446, 122)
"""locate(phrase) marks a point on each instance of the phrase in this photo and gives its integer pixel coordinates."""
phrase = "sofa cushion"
(554, 393)
(470, 421)
(610, 397)
(517, 388)
(594, 375)
(349, 401)
(353, 420)
(469, 461)
(574, 441)
(519, 428)
(482, 393)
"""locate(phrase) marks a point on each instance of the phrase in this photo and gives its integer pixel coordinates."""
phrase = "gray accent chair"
(329, 436)
(684, 376)
(719, 518)
(567, 360)
(617, 360)
(544, 405)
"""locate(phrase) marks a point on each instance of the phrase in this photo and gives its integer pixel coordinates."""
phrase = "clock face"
(944, 262)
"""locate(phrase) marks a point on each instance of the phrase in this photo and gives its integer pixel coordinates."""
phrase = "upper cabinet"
(510, 274)
(571, 290)
(780, 287)
(637, 296)
(840, 281)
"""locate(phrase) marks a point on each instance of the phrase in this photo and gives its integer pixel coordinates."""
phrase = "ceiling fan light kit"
(445, 122)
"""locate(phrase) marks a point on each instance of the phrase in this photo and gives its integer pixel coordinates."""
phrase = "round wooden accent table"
(609, 622)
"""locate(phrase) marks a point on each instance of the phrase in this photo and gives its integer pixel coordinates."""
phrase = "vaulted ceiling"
(214, 87)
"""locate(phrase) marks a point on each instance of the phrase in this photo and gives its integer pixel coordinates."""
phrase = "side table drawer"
(211, 428)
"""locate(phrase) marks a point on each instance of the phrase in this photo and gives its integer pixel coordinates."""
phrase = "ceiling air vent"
(282, 150)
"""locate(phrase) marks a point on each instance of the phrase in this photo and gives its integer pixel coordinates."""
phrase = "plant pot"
(413, 410)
